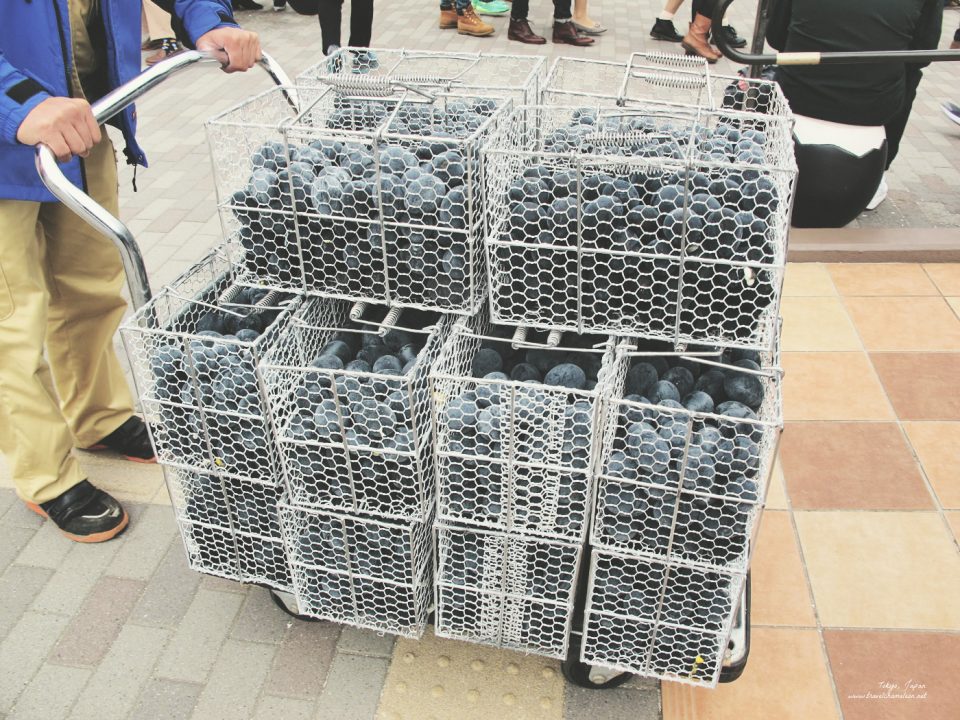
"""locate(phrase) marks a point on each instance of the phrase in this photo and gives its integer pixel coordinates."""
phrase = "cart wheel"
(738, 651)
(591, 678)
(289, 606)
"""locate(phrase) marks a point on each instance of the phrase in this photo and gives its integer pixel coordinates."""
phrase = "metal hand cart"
(140, 292)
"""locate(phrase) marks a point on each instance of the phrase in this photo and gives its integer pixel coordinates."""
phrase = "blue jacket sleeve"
(19, 94)
(194, 18)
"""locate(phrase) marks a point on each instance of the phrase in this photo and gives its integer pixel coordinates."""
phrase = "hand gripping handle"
(105, 108)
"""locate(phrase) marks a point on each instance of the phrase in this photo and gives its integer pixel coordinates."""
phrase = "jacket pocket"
(6, 298)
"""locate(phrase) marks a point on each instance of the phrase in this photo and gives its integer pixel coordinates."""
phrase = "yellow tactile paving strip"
(436, 679)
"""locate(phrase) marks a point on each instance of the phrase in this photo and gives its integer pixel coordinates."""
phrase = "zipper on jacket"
(66, 72)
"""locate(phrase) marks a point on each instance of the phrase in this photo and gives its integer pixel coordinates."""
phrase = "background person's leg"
(156, 21)
(663, 27)
(330, 17)
(33, 433)
(898, 123)
(85, 278)
(361, 22)
(520, 9)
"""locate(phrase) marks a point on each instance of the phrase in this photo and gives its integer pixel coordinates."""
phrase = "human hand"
(236, 49)
(65, 125)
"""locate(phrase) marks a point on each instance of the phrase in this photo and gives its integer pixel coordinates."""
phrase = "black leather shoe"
(665, 30)
(85, 514)
(130, 440)
(733, 40)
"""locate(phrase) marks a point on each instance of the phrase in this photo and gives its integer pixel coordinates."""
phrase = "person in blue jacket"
(61, 384)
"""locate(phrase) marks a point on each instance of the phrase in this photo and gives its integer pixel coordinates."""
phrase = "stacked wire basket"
(356, 440)
(480, 265)
(514, 459)
(194, 350)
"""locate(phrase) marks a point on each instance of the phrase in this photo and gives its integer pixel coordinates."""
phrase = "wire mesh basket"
(371, 193)
(360, 571)
(654, 221)
(519, 77)
(229, 526)
(687, 482)
(194, 350)
(350, 405)
(679, 496)
(659, 619)
(661, 78)
(515, 452)
(504, 589)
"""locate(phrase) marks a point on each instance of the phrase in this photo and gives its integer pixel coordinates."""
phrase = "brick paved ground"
(126, 629)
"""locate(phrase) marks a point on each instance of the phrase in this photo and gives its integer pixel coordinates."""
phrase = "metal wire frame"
(659, 619)
(660, 78)
(324, 251)
(337, 469)
(679, 480)
(538, 482)
(360, 571)
(520, 76)
(677, 565)
(189, 422)
(229, 526)
(684, 290)
(505, 589)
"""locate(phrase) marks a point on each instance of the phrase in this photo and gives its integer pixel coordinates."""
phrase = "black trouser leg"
(361, 22)
(561, 8)
(520, 9)
(330, 16)
(702, 7)
(898, 123)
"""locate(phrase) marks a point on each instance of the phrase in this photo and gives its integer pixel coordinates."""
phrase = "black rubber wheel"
(579, 674)
(278, 601)
(729, 673)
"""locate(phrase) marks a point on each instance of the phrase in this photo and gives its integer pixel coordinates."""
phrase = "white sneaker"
(879, 196)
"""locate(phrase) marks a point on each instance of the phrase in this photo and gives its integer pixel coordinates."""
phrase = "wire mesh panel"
(661, 78)
(516, 426)
(519, 77)
(659, 619)
(194, 350)
(688, 447)
(504, 589)
(660, 222)
(229, 526)
(372, 192)
(359, 571)
(651, 77)
(349, 400)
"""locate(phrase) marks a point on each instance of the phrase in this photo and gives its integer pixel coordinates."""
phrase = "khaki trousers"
(155, 22)
(60, 284)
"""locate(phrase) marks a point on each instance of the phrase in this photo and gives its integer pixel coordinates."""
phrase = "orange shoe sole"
(131, 458)
(96, 537)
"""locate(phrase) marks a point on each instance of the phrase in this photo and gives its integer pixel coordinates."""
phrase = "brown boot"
(565, 33)
(448, 19)
(521, 31)
(470, 24)
(695, 42)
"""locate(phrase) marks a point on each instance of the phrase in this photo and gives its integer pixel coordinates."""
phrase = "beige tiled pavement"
(164, 643)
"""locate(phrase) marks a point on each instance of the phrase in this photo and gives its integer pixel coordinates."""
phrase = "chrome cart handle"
(820, 58)
(105, 108)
